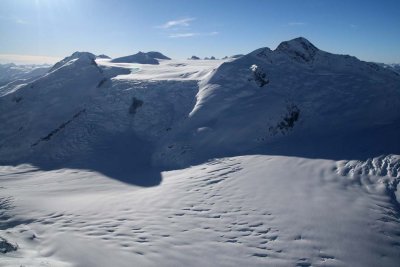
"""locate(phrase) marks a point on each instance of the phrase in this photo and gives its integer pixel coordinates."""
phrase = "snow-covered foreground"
(240, 211)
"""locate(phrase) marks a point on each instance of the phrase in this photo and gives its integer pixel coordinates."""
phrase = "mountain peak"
(299, 48)
(296, 43)
(77, 56)
(142, 58)
(102, 56)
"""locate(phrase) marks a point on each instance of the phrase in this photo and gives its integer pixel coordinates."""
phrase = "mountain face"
(35, 110)
(298, 49)
(268, 97)
(296, 92)
(142, 58)
(76, 59)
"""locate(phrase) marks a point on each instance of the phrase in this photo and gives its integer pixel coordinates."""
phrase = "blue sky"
(367, 29)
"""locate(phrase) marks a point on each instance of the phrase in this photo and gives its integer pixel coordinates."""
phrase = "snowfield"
(285, 157)
(170, 70)
(239, 211)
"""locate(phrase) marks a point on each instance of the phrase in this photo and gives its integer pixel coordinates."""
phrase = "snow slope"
(285, 157)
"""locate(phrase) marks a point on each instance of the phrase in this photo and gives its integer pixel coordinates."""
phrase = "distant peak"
(78, 54)
(142, 58)
(299, 47)
(102, 56)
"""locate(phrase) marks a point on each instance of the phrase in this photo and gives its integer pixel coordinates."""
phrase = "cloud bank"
(191, 34)
(27, 59)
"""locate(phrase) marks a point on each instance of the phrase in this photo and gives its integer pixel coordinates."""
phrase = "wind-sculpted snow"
(380, 166)
(247, 211)
(383, 170)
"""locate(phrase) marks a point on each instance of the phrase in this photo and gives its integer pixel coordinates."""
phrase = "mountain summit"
(299, 48)
(76, 57)
(142, 58)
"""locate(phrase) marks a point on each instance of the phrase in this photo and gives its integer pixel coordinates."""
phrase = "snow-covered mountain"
(11, 72)
(194, 58)
(287, 145)
(394, 67)
(296, 91)
(142, 58)
(102, 56)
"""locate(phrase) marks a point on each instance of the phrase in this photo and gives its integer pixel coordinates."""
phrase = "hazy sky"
(367, 29)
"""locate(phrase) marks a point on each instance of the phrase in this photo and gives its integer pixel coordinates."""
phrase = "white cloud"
(21, 21)
(212, 33)
(183, 35)
(27, 59)
(297, 23)
(191, 34)
(176, 23)
(174, 29)
(14, 19)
